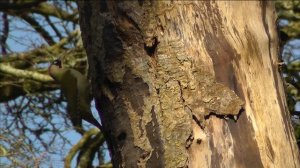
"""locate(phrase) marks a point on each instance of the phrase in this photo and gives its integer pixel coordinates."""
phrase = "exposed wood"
(190, 83)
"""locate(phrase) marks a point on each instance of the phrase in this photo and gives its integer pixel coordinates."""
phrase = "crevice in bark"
(154, 134)
(198, 122)
(157, 91)
(152, 49)
(189, 141)
(198, 141)
(226, 117)
(122, 136)
(129, 19)
(181, 92)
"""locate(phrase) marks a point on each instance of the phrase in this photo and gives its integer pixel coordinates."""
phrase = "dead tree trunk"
(188, 83)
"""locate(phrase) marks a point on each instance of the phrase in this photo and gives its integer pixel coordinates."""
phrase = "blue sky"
(23, 38)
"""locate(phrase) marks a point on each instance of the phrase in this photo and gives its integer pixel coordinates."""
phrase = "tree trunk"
(188, 83)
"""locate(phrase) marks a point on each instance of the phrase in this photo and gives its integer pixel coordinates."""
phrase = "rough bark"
(188, 83)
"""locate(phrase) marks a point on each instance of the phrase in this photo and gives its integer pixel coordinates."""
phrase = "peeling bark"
(188, 83)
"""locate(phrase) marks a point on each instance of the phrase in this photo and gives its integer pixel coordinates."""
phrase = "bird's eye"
(57, 63)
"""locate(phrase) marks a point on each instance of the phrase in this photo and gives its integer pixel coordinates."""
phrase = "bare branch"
(25, 73)
(5, 33)
(39, 7)
(15, 5)
(53, 27)
(76, 148)
(47, 9)
(88, 152)
(38, 28)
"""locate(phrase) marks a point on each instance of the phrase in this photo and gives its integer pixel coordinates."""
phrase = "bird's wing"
(69, 88)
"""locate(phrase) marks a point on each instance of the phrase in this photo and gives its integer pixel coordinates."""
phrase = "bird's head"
(54, 68)
(57, 63)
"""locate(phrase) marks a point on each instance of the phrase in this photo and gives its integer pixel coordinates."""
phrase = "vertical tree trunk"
(188, 83)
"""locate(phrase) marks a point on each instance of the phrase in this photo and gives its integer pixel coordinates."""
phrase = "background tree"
(35, 129)
(289, 30)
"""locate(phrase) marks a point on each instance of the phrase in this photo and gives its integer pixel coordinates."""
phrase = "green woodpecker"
(75, 88)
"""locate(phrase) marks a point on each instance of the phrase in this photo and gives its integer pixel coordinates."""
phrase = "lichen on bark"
(157, 83)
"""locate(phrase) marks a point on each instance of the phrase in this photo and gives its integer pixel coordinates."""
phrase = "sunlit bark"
(188, 83)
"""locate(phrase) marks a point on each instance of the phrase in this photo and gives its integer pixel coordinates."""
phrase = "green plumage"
(75, 87)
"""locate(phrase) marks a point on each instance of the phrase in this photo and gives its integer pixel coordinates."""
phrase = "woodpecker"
(75, 88)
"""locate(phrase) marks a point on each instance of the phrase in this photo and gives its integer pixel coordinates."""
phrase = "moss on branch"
(92, 139)
(24, 73)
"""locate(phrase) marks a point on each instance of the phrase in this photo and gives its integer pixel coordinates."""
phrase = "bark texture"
(188, 83)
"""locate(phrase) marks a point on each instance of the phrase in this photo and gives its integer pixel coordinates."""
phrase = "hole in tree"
(122, 136)
(151, 50)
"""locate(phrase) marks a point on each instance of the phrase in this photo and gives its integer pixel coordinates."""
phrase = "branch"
(47, 51)
(73, 35)
(82, 142)
(47, 9)
(294, 66)
(58, 34)
(25, 73)
(13, 5)
(18, 65)
(42, 8)
(86, 157)
(38, 28)
(5, 33)
(107, 165)
(14, 88)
